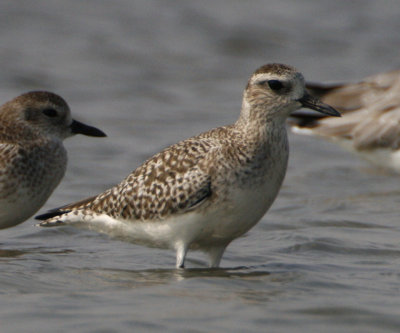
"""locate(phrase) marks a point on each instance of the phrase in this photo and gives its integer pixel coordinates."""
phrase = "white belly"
(212, 225)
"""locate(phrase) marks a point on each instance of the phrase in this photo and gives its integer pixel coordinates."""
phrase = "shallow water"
(327, 255)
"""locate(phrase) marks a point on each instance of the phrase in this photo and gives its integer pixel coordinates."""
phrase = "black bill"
(80, 128)
(314, 103)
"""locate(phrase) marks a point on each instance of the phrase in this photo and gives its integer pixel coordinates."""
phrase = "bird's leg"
(181, 250)
(215, 254)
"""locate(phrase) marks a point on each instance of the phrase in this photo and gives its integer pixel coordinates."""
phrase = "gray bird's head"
(276, 90)
(44, 113)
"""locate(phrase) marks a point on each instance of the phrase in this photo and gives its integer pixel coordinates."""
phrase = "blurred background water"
(149, 73)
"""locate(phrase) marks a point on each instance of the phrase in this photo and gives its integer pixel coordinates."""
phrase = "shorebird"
(370, 126)
(204, 192)
(32, 156)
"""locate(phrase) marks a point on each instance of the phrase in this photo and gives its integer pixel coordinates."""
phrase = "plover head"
(278, 90)
(45, 113)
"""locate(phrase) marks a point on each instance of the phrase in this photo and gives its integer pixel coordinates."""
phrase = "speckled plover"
(204, 192)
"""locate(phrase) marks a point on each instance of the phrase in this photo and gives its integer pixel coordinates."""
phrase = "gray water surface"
(325, 258)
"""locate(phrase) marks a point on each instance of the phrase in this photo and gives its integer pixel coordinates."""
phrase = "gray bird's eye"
(50, 112)
(275, 85)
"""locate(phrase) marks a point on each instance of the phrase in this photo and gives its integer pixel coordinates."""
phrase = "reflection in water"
(150, 277)
(17, 253)
(252, 285)
(11, 253)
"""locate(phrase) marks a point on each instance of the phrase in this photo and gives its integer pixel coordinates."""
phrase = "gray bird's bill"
(314, 103)
(80, 128)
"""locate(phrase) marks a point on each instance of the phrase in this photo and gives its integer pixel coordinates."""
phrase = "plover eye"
(275, 85)
(50, 112)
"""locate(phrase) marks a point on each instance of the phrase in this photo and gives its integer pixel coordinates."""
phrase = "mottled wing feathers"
(133, 199)
(173, 181)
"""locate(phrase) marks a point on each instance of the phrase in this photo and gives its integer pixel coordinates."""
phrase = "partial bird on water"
(33, 159)
(370, 126)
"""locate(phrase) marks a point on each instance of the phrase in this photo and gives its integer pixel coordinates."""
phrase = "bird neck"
(258, 124)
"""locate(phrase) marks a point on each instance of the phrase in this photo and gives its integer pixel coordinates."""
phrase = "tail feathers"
(50, 223)
(51, 214)
(50, 218)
